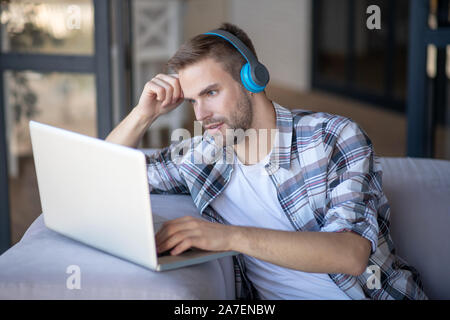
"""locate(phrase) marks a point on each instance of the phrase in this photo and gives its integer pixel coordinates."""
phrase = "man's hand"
(160, 95)
(183, 233)
(318, 252)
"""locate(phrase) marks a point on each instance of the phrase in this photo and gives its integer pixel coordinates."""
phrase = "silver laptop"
(97, 192)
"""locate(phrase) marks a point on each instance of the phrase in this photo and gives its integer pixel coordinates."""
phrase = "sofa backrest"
(418, 191)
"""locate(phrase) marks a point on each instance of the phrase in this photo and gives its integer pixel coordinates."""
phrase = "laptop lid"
(95, 192)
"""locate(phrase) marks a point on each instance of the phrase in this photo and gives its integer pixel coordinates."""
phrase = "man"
(306, 212)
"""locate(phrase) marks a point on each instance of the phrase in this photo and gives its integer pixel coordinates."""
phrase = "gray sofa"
(36, 267)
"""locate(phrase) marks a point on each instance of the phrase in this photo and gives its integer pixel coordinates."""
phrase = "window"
(54, 68)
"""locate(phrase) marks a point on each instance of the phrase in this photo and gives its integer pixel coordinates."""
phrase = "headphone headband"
(238, 44)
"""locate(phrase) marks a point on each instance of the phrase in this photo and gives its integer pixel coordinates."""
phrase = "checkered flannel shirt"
(328, 179)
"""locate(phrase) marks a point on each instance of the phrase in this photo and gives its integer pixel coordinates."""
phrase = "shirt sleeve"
(353, 185)
(162, 172)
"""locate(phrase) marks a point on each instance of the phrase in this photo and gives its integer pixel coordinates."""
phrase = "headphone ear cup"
(260, 74)
(247, 81)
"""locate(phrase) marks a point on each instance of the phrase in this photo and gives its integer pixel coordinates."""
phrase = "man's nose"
(201, 112)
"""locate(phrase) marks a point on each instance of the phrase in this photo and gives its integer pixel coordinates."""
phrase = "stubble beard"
(240, 120)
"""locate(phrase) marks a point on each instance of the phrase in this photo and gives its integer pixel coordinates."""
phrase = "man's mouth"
(214, 127)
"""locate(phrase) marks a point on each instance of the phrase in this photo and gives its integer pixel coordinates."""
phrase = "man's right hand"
(160, 95)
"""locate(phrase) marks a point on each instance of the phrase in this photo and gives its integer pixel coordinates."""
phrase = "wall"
(203, 15)
(281, 34)
(280, 31)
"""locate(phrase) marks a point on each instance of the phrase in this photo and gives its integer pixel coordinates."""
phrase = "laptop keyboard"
(167, 252)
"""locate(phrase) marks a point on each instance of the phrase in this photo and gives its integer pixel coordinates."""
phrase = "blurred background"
(81, 65)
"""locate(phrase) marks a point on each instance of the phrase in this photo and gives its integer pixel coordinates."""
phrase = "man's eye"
(212, 92)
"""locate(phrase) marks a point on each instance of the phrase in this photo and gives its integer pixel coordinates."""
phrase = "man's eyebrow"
(204, 91)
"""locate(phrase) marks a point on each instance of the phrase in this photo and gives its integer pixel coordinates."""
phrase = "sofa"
(40, 265)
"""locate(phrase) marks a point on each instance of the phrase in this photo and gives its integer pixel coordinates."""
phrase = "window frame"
(97, 64)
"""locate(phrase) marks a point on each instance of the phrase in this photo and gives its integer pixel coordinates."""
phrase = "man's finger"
(155, 89)
(175, 239)
(173, 226)
(183, 246)
(174, 82)
(168, 90)
(170, 228)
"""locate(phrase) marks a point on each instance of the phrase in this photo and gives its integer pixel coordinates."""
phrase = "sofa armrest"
(36, 268)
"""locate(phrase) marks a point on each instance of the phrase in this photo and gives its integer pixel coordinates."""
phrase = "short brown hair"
(209, 46)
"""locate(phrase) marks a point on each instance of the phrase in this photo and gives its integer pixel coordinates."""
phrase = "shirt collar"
(281, 152)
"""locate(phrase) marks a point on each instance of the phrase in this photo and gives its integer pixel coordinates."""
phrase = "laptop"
(97, 192)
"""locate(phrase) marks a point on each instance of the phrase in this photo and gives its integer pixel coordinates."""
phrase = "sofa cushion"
(36, 268)
(418, 191)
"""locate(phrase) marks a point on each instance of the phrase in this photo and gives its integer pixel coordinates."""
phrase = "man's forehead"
(192, 87)
(196, 83)
(200, 90)
(202, 73)
(203, 67)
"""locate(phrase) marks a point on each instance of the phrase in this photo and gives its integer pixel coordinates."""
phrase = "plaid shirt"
(328, 179)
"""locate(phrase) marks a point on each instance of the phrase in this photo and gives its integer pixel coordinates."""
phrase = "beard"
(242, 115)
(239, 121)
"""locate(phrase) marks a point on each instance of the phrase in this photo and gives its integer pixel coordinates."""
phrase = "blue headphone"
(254, 75)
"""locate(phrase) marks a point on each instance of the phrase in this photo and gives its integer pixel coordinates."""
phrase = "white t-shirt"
(250, 199)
